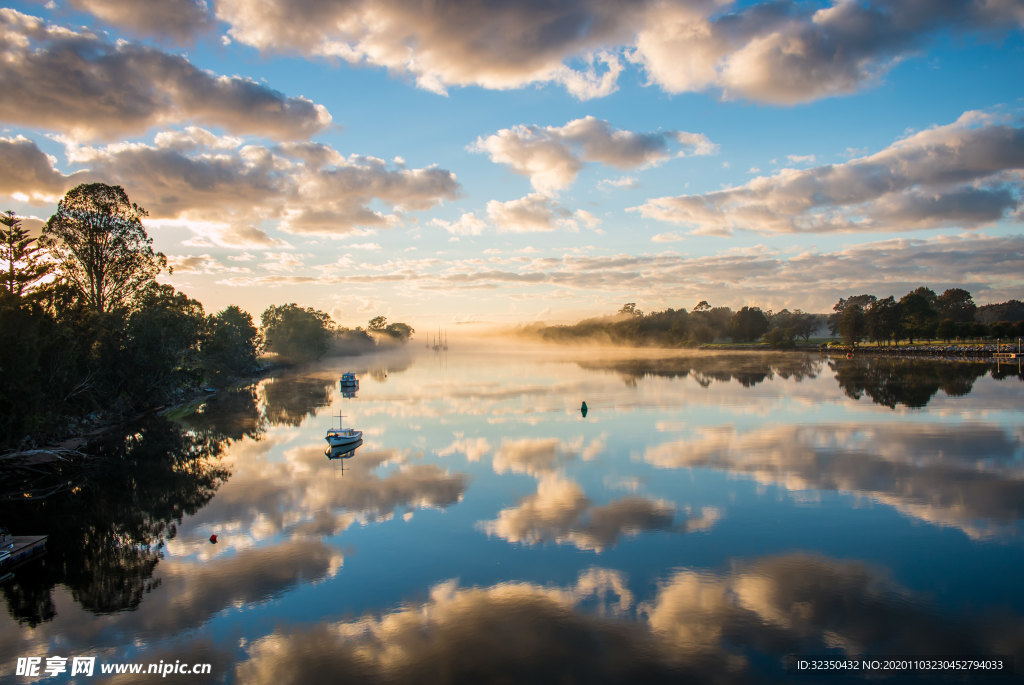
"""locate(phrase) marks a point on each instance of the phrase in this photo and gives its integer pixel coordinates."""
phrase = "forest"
(919, 315)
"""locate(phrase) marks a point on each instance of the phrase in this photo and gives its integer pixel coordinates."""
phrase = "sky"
(457, 162)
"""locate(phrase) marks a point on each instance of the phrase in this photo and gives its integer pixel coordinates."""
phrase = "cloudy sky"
(502, 161)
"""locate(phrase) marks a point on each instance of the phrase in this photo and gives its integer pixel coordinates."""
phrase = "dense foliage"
(677, 327)
(88, 336)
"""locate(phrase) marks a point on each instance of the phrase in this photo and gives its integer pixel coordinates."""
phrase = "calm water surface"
(708, 516)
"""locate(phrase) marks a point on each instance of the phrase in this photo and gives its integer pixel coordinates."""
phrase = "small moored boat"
(340, 436)
(348, 378)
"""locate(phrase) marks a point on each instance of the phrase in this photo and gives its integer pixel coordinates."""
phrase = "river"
(716, 517)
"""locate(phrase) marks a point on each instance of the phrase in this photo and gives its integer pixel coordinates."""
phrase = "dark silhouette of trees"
(107, 534)
(748, 324)
(918, 318)
(1011, 310)
(957, 305)
(102, 250)
(852, 324)
(231, 345)
(882, 320)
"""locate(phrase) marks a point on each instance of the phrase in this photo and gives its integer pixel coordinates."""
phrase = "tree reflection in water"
(748, 369)
(886, 381)
(910, 382)
(107, 533)
(286, 402)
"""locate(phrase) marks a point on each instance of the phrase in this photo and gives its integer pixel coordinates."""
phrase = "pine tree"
(21, 257)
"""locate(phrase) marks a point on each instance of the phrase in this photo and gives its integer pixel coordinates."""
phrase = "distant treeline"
(87, 335)
(918, 315)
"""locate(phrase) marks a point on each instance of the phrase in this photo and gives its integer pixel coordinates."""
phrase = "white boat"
(339, 437)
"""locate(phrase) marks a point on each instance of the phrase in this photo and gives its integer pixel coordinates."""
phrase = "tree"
(629, 309)
(231, 344)
(852, 324)
(957, 305)
(862, 301)
(804, 324)
(100, 246)
(918, 317)
(749, 323)
(399, 331)
(22, 253)
(296, 333)
(882, 319)
(702, 306)
(378, 324)
(159, 355)
(947, 329)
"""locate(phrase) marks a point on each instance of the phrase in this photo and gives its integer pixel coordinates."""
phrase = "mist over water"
(707, 515)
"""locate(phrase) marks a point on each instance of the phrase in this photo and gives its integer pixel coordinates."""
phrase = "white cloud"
(966, 174)
(529, 214)
(789, 52)
(551, 157)
(467, 224)
(493, 45)
(77, 83)
(222, 191)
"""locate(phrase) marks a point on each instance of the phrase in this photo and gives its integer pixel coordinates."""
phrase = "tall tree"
(957, 305)
(101, 247)
(882, 319)
(852, 324)
(862, 301)
(749, 323)
(23, 257)
(918, 317)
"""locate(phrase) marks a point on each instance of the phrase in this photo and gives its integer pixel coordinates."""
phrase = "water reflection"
(910, 382)
(748, 369)
(340, 454)
(560, 512)
(698, 579)
(107, 534)
(970, 477)
(700, 627)
(288, 401)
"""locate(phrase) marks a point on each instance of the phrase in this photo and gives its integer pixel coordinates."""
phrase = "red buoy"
(213, 539)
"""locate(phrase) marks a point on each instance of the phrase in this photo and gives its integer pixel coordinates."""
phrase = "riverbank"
(986, 352)
(981, 351)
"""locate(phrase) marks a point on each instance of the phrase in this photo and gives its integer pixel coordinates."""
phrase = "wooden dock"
(1006, 355)
(17, 548)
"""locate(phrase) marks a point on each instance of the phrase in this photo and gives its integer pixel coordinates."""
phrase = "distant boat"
(348, 379)
(340, 437)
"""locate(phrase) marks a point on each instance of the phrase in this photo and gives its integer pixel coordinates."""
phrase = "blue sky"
(504, 162)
